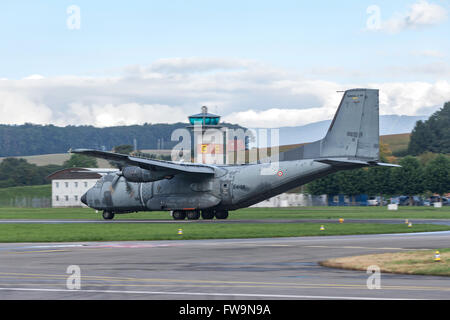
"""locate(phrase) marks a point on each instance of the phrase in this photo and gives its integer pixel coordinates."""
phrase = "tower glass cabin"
(204, 118)
(208, 139)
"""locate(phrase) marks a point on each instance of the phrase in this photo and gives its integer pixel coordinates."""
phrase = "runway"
(278, 268)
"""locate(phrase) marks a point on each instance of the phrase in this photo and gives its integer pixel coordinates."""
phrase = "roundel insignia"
(280, 173)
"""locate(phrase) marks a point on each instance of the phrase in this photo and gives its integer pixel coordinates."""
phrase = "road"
(278, 268)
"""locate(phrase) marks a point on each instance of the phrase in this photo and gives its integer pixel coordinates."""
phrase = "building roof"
(78, 173)
(206, 115)
(204, 118)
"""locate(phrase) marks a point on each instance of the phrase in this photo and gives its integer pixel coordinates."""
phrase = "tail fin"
(353, 133)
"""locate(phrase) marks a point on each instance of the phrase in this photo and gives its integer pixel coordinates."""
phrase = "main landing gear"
(208, 214)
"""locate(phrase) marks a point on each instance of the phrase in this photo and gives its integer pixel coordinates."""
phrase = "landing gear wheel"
(108, 215)
(179, 215)
(221, 214)
(207, 214)
(193, 215)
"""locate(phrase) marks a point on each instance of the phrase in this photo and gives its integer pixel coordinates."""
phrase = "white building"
(292, 200)
(68, 185)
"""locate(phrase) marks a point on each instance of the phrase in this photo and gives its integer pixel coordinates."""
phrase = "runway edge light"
(322, 228)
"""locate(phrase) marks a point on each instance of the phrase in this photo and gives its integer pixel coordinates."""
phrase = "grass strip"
(138, 231)
(247, 213)
(420, 262)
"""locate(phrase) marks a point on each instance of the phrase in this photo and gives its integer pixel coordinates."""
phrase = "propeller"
(116, 179)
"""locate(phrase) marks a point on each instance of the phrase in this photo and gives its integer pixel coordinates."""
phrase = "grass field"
(40, 191)
(248, 213)
(138, 231)
(26, 232)
(27, 196)
(410, 262)
(397, 142)
(55, 158)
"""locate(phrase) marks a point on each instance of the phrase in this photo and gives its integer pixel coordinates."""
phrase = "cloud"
(421, 14)
(17, 108)
(429, 53)
(435, 69)
(411, 97)
(34, 77)
(124, 114)
(244, 92)
(275, 118)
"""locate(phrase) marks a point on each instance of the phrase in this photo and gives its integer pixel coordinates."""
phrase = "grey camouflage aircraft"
(192, 190)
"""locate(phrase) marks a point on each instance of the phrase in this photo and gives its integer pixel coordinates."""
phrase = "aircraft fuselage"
(231, 188)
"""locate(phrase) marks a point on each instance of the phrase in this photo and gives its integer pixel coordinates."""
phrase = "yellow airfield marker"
(437, 256)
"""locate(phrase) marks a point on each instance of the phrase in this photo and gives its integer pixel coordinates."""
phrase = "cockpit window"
(99, 183)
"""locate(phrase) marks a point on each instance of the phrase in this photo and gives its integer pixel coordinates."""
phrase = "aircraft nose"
(84, 198)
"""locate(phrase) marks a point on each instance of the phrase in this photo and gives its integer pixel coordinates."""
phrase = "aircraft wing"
(150, 164)
(347, 162)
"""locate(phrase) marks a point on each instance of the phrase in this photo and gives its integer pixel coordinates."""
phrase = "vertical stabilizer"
(354, 131)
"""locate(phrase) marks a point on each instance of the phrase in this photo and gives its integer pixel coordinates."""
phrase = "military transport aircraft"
(192, 190)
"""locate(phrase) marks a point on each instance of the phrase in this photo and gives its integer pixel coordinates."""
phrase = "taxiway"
(278, 268)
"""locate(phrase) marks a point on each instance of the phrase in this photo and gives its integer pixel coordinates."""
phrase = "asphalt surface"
(278, 268)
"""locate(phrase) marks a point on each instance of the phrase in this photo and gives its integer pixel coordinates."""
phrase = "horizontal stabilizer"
(352, 162)
(343, 162)
(383, 164)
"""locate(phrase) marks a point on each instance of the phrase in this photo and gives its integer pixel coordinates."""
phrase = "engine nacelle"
(136, 174)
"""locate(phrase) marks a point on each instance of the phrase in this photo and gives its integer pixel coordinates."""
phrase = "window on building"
(67, 184)
(76, 198)
(76, 184)
(67, 198)
(57, 184)
(85, 184)
(57, 198)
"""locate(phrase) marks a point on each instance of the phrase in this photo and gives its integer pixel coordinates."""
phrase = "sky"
(256, 63)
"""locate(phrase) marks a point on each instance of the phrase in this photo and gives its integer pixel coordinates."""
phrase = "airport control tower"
(208, 138)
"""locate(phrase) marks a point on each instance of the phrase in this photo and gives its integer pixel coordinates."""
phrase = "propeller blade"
(129, 188)
(115, 180)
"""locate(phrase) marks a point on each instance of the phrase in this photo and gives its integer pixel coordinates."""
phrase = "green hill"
(30, 139)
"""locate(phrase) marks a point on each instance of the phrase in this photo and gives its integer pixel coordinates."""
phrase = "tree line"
(19, 172)
(31, 139)
(432, 135)
(414, 177)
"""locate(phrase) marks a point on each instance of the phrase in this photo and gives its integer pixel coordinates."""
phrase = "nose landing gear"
(108, 215)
